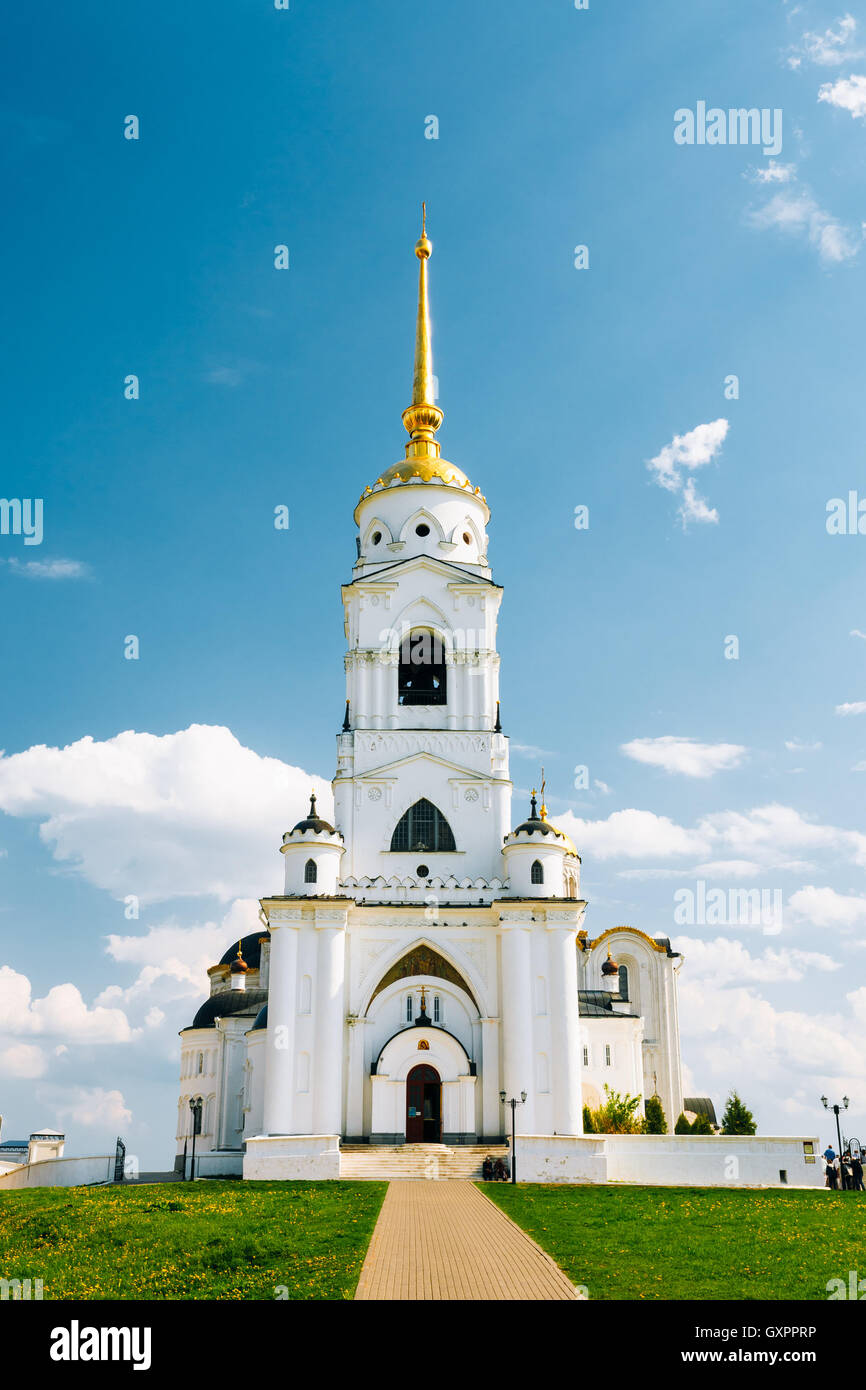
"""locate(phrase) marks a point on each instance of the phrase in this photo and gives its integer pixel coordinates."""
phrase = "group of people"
(846, 1173)
(495, 1169)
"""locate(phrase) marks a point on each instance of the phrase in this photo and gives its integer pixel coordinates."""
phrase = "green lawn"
(210, 1240)
(676, 1242)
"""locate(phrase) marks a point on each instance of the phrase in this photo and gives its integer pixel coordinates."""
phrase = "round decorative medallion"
(470, 794)
(423, 1045)
(374, 793)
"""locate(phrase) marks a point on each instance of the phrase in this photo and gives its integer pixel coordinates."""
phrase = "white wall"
(61, 1172)
(710, 1160)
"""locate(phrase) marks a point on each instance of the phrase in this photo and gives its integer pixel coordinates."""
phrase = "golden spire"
(543, 807)
(423, 417)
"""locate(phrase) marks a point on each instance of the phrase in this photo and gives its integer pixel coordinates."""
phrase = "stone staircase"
(415, 1162)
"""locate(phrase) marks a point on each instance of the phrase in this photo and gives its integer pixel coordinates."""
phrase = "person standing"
(857, 1173)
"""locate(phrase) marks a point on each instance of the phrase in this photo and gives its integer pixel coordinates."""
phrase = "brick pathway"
(446, 1240)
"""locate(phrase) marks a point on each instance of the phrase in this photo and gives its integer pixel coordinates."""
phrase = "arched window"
(410, 1009)
(623, 981)
(200, 1065)
(537, 873)
(421, 676)
(310, 871)
(437, 1009)
(422, 827)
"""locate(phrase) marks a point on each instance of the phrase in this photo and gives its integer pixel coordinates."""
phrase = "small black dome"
(313, 822)
(261, 1020)
(229, 1001)
(251, 949)
(537, 825)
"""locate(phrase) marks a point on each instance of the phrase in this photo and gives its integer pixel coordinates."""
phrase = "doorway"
(423, 1106)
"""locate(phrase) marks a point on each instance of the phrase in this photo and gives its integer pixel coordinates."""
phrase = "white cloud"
(726, 961)
(859, 767)
(632, 834)
(62, 1013)
(529, 750)
(93, 1105)
(601, 786)
(174, 959)
(23, 1060)
(772, 173)
(188, 814)
(829, 49)
(773, 831)
(689, 451)
(854, 707)
(824, 907)
(685, 755)
(799, 213)
(855, 632)
(49, 569)
(797, 745)
(849, 94)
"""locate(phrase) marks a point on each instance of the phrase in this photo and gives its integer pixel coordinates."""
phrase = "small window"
(537, 873)
(423, 871)
(410, 1009)
(310, 871)
(607, 1054)
(422, 530)
(200, 1066)
(783, 1175)
(586, 1056)
(376, 537)
(437, 1009)
(467, 539)
(623, 982)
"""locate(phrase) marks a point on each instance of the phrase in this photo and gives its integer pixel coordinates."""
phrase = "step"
(416, 1162)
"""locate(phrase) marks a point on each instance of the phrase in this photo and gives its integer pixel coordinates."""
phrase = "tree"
(588, 1125)
(617, 1115)
(654, 1117)
(702, 1125)
(737, 1119)
(682, 1125)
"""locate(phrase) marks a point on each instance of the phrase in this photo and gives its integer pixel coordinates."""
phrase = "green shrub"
(737, 1119)
(654, 1117)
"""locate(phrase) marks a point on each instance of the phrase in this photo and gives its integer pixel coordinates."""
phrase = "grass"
(683, 1243)
(209, 1240)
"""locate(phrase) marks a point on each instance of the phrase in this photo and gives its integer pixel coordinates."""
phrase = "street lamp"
(514, 1104)
(195, 1107)
(836, 1109)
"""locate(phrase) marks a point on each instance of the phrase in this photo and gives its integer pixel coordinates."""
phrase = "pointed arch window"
(421, 674)
(537, 872)
(422, 827)
(623, 982)
(311, 873)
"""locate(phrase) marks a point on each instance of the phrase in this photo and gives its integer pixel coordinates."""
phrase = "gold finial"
(543, 807)
(423, 417)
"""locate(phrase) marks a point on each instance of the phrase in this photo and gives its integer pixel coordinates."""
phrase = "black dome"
(313, 822)
(251, 950)
(230, 1001)
(261, 1020)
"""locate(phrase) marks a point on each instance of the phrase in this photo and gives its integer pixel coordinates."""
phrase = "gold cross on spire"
(543, 807)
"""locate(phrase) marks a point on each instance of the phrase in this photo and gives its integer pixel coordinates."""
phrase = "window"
(467, 539)
(423, 827)
(421, 675)
(422, 530)
(586, 1056)
(537, 873)
(623, 981)
(200, 1064)
(607, 1054)
(410, 1009)
(310, 871)
(437, 1009)
(377, 536)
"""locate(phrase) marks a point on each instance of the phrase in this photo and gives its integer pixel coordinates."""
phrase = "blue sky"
(259, 388)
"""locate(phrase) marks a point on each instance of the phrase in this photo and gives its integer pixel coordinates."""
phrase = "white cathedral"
(428, 962)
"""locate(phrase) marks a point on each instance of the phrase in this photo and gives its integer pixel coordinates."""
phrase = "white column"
(491, 1110)
(564, 1028)
(378, 702)
(355, 1079)
(362, 691)
(517, 1022)
(328, 1049)
(282, 1004)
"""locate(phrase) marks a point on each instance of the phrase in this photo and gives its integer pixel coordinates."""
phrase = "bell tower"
(422, 669)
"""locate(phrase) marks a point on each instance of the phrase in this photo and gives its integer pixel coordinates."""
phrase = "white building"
(429, 953)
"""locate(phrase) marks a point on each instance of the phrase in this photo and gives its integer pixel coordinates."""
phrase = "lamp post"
(195, 1107)
(836, 1110)
(514, 1104)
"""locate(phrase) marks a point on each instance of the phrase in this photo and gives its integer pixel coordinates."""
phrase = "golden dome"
(425, 469)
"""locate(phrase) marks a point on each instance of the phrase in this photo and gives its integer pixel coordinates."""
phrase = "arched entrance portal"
(423, 1106)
